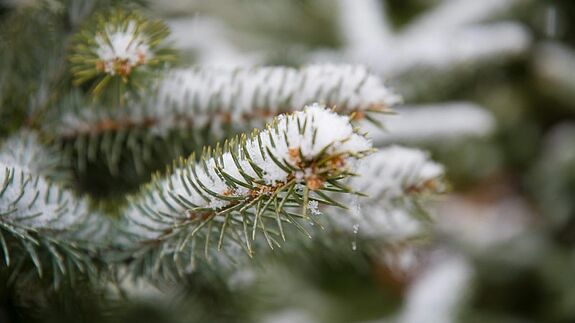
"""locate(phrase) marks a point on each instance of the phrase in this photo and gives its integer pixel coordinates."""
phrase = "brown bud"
(430, 185)
(294, 154)
(226, 117)
(314, 182)
(100, 66)
(337, 162)
(141, 58)
(124, 69)
(358, 115)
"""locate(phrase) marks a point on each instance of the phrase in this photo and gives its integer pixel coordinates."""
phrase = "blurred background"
(488, 89)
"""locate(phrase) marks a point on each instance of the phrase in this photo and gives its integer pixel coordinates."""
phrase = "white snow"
(362, 26)
(436, 294)
(454, 34)
(392, 171)
(32, 202)
(392, 178)
(25, 151)
(434, 122)
(313, 207)
(122, 43)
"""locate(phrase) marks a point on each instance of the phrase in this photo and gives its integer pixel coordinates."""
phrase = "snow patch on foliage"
(239, 98)
(394, 171)
(452, 35)
(420, 123)
(436, 294)
(25, 151)
(30, 201)
(122, 44)
(314, 132)
(241, 95)
(394, 178)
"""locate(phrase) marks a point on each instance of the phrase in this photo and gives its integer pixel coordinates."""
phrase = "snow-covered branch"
(395, 180)
(434, 123)
(214, 97)
(255, 182)
(452, 36)
(193, 107)
(118, 45)
(452, 14)
(37, 220)
(25, 151)
(400, 171)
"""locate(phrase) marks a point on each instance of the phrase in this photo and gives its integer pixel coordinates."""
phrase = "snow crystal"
(313, 206)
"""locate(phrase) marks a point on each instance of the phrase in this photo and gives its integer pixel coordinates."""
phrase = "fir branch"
(436, 50)
(402, 172)
(117, 47)
(450, 36)
(249, 185)
(396, 181)
(25, 150)
(37, 220)
(199, 106)
(416, 124)
(214, 97)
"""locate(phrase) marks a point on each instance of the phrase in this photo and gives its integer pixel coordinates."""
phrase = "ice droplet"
(355, 211)
(355, 231)
(354, 207)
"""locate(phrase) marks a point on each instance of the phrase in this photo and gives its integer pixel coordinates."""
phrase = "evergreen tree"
(245, 161)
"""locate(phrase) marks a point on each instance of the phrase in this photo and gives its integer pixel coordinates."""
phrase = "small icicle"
(355, 208)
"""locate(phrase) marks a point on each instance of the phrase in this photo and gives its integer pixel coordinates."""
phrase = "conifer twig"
(248, 182)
